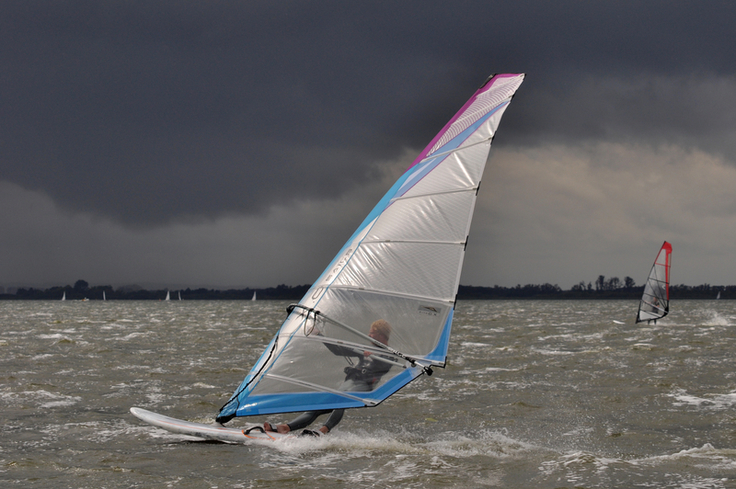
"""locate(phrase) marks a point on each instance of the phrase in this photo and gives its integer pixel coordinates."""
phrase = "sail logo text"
(339, 265)
(333, 273)
(429, 310)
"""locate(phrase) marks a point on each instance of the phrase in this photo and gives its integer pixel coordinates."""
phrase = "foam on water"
(716, 319)
(712, 402)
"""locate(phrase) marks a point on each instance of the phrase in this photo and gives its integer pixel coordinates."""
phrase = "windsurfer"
(361, 377)
(655, 309)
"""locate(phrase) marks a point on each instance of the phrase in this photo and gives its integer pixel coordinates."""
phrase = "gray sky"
(240, 144)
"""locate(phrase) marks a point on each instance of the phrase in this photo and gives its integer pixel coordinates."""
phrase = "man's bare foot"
(276, 428)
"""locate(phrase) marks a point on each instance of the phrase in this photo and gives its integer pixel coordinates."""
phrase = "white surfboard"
(249, 434)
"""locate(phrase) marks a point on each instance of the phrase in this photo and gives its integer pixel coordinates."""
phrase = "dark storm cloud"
(151, 112)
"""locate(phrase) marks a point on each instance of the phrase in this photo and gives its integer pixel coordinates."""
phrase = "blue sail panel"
(381, 313)
(439, 354)
(315, 401)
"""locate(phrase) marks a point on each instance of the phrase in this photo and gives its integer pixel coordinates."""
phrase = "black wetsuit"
(361, 377)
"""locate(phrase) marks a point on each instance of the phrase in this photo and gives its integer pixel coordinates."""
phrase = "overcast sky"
(239, 144)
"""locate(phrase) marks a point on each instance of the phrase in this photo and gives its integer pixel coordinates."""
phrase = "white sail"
(655, 301)
(168, 296)
(402, 265)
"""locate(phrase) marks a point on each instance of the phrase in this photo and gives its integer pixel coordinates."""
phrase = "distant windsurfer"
(655, 305)
(359, 377)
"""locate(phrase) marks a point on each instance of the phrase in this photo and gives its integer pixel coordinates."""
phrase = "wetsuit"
(360, 377)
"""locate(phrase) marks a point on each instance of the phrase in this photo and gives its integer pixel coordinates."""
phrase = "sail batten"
(415, 241)
(472, 189)
(456, 150)
(396, 295)
(402, 266)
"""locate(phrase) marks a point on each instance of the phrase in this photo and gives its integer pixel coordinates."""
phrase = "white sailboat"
(168, 296)
(254, 296)
(63, 297)
(104, 298)
(179, 291)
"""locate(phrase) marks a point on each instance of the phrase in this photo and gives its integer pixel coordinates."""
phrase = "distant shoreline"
(81, 291)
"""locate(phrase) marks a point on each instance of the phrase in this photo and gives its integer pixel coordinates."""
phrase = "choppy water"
(536, 394)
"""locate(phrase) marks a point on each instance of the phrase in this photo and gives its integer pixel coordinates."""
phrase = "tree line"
(81, 290)
(601, 288)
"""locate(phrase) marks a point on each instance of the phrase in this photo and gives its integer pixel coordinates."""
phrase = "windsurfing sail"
(402, 265)
(655, 302)
(254, 296)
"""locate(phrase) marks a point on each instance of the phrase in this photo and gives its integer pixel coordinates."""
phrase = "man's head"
(380, 331)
